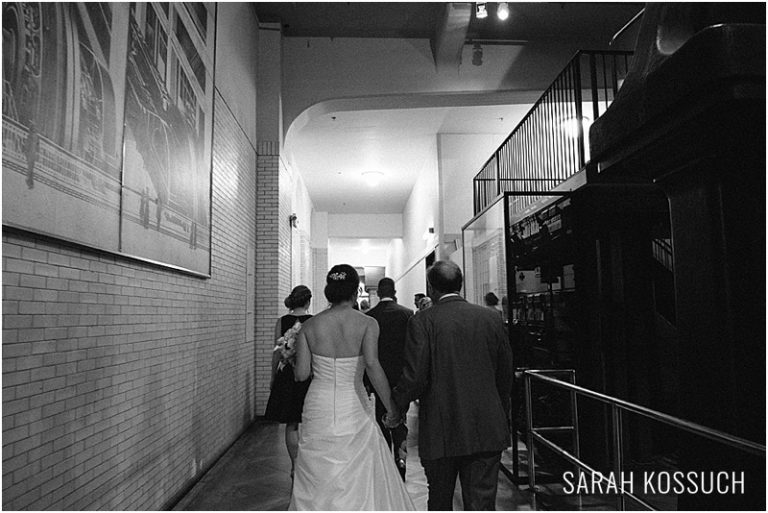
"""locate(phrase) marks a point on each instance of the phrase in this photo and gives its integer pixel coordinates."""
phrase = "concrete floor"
(254, 474)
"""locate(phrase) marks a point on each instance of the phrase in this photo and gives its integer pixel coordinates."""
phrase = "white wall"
(422, 211)
(268, 82)
(358, 252)
(365, 226)
(460, 157)
(301, 234)
(238, 64)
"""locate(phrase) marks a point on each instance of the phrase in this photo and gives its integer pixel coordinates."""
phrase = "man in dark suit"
(458, 363)
(392, 319)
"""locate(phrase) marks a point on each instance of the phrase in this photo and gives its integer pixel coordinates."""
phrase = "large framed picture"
(107, 126)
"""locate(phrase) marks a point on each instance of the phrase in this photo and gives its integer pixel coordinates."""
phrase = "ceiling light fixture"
(480, 10)
(502, 12)
(373, 178)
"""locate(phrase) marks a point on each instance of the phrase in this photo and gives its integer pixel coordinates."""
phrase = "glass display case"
(586, 275)
(485, 258)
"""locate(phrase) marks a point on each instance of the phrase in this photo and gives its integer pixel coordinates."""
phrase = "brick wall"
(123, 381)
(267, 282)
(285, 235)
(320, 269)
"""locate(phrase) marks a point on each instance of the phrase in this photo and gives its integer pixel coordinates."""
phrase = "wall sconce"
(293, 219)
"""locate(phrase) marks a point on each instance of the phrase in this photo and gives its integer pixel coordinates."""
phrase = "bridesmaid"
(286, 399)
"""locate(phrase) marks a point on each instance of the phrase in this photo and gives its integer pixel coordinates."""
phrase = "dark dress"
(287, 397)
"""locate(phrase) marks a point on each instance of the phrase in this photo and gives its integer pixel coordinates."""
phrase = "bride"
(343, 462)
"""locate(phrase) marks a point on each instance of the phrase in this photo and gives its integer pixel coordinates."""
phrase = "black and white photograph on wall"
(109, 145)
(62, 119)
(168, 134)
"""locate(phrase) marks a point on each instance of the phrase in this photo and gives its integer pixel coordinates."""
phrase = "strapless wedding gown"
(343, 462)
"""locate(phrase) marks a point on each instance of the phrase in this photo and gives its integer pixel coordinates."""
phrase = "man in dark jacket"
(458, 363)
(392, 319)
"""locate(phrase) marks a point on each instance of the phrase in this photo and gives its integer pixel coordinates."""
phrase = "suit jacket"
(458, 363)
(392, 319)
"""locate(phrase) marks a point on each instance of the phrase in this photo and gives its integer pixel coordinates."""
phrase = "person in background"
(424, 303)
(365, 305)
(458, 364)
(491, 300)
(417, 299)
(286, 399)
(392, 319)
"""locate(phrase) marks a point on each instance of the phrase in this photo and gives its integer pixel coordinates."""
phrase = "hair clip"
(338, 276)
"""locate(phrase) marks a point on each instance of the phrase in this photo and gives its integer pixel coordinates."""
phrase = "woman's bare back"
(338, 332)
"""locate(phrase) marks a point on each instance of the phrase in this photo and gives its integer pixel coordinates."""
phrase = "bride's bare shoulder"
(368, 321)
(312, 320)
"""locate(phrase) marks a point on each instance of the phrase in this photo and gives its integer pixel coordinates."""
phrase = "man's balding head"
(444, 277)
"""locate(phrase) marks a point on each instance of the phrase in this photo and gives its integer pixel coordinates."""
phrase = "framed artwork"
(107, 126)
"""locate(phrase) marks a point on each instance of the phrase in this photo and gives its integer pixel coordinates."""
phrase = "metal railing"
(618, 406)
(549, 144)
(662, 252)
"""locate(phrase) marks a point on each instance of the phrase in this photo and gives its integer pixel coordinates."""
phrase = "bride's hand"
(392, 419)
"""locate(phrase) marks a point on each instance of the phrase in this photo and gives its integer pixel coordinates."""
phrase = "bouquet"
(287, 346)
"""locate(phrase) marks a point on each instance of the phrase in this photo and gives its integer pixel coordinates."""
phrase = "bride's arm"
(373, 367)
(303, 367)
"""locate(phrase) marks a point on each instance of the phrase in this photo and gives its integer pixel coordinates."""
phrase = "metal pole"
(575, 424)
(529, 424)
(618, 453)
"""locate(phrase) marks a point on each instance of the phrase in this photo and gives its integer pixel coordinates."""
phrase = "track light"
(481, 12)
(502, 12)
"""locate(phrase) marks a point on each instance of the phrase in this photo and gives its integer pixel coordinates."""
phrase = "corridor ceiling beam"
(450, 34)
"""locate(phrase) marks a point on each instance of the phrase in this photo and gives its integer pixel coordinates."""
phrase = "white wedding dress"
(343, 462)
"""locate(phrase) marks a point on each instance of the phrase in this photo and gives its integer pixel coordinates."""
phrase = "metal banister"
(549, 144)
(617, 406)
(712, 434)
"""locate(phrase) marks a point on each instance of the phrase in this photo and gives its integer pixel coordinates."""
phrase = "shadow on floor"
(254, 474)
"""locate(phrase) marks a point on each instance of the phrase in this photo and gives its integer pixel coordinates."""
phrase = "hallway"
(172, 170)
(254, 475)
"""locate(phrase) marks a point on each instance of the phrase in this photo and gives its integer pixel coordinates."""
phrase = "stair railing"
(618, 406)
(549, 145)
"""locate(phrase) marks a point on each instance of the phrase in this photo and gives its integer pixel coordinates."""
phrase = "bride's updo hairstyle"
(300, 296)
(342, 282)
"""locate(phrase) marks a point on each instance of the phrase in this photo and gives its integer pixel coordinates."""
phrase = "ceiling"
(396, 143)
(399, 143)
(527, 20)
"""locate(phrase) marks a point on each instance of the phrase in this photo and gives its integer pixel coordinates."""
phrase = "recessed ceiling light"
(481, 12)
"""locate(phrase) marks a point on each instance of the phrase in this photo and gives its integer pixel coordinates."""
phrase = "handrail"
(617, 406)
(712, 434)
(626, 26)
(549, 143)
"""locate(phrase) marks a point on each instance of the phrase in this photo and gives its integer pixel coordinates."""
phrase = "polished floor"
(254, 474)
